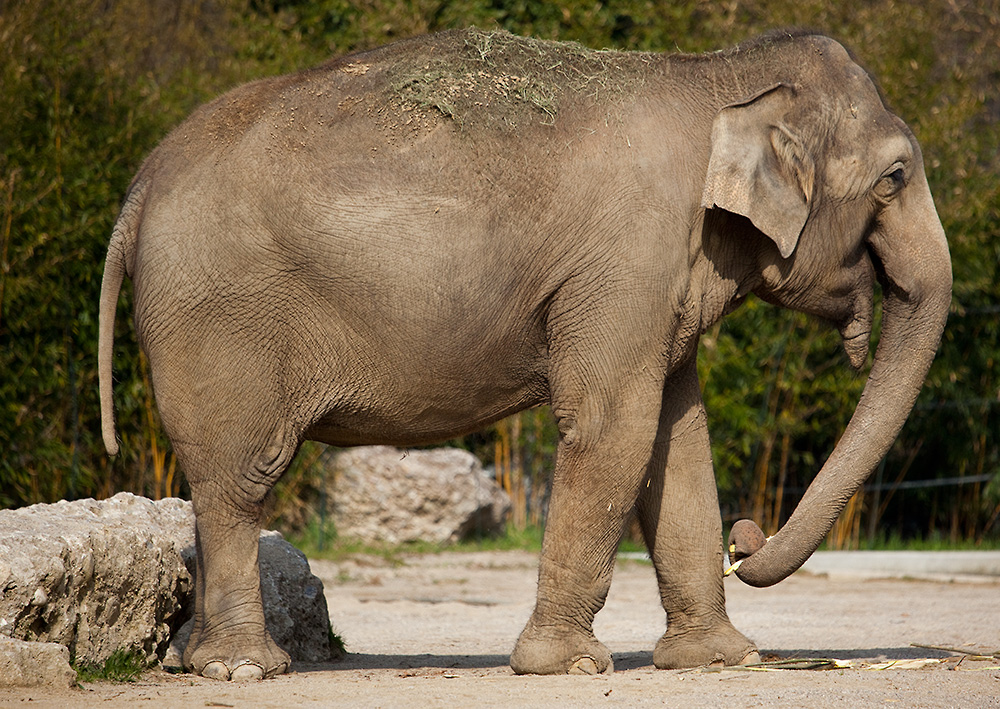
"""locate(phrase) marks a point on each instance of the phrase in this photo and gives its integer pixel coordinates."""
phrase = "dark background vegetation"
(88, 87)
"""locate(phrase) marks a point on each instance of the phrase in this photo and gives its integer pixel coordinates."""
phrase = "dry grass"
(499, 80)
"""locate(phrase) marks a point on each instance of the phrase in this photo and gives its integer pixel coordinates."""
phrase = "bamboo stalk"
(7, 223)
(779, 488)
(958, 651)
(846, 531)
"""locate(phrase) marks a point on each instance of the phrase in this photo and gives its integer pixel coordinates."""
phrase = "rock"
(294, 604)
(95, 576)
(119, 574)
(439, 495)
(27, 664)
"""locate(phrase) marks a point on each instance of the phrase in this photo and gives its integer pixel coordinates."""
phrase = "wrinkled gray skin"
(309, 265)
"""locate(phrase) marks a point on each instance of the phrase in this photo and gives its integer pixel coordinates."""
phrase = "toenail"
(584, 666)
(247, 671)
(215, 670)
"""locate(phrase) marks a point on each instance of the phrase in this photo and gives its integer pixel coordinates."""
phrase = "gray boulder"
(99, 576)
(384, 494)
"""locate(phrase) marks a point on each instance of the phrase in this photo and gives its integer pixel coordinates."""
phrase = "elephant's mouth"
(857, 342)
(856, 329)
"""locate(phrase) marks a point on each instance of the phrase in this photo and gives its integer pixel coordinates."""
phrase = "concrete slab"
(966, 566)
(931, 565)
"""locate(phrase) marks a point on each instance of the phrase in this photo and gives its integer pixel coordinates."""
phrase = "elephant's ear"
(760, 168)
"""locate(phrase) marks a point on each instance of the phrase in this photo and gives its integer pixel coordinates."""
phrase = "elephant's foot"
(550, 651)
(238, 658)
(722, 645)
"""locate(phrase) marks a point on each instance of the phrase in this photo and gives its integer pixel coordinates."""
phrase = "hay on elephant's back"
(496, 80)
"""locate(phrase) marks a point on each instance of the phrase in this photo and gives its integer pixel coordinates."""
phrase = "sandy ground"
(436, 631)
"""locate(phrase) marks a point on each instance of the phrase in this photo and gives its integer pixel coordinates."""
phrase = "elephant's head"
(836, 183)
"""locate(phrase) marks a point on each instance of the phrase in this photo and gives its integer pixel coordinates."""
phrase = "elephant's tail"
(117, 265)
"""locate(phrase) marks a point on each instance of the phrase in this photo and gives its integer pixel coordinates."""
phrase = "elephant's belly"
(423, 378)
(407, 422)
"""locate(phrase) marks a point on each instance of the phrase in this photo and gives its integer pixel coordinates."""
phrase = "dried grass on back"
(496, 80)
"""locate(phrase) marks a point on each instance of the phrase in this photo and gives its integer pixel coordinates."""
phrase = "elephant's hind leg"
(230, 639)
(679, 516)
(230, 394)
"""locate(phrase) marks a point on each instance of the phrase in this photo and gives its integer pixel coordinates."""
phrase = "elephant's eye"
(888, 185)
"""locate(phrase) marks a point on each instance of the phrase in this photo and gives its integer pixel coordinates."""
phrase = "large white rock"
(95, 576)
(99, 576)
(439, 495)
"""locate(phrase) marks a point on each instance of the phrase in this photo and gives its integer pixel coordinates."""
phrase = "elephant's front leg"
(679, 514)
(229, 639)
(606, 439)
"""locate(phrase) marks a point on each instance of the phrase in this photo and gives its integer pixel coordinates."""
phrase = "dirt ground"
(437, 630)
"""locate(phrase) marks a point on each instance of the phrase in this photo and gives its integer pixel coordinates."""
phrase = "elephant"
(406, 244)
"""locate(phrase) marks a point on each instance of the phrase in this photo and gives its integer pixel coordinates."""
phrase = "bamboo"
(846, 531)
(7, 223)
(779, 488)
(520, 512)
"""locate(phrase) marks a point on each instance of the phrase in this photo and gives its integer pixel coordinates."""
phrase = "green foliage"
(778, 391)
(320, 541)
(90, 86)
(337, 644)
(894, 541)
(527, 538)
(122, 666)
(69, 146)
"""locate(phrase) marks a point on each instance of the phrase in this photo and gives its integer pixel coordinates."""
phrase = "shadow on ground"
(623, 661)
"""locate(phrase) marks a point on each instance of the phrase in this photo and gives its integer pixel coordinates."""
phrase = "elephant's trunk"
(915, 274)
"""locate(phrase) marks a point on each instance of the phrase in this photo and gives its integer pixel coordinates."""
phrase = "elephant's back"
(482, 85)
